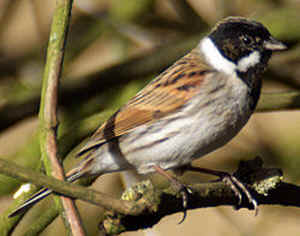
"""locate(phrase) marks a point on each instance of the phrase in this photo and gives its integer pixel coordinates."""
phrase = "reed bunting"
(194, 107)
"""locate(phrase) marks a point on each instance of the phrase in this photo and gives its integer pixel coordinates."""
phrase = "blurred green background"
(114, 48)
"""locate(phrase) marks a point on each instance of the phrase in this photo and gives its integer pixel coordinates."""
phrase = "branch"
(145, 205)
(48, 109)
(265, 186)
(31, 150)
(279, 101)
(68, 189)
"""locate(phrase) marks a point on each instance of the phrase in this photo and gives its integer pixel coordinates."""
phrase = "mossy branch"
(146, 205)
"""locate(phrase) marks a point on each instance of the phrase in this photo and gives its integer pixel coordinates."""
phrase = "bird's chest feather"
(221, 114)
(205, 123)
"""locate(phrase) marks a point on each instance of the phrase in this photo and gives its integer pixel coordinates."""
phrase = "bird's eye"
(246, 40)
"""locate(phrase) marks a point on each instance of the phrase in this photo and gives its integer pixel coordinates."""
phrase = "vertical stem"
(48, 109)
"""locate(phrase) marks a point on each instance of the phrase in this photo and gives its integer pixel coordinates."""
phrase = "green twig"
(40, 224)
(48, 110)
(68, 189)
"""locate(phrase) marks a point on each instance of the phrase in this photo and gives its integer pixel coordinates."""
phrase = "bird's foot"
(178, 187)
(236, 185)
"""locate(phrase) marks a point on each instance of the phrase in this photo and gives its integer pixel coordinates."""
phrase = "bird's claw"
(238, 188)
(184, 192)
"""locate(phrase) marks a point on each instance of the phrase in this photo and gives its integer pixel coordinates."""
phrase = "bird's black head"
(238, 38)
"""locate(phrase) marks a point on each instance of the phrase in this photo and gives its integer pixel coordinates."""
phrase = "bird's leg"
(179, 187)
(237, 186)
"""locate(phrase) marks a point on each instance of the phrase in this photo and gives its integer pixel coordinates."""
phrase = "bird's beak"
(274, 45)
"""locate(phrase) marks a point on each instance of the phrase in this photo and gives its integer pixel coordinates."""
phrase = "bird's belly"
(179, 139)
(200, 127)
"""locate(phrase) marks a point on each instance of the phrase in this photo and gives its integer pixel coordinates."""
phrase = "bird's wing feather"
(161, 97)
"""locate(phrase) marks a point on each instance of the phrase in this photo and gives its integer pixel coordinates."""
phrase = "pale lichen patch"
(24, 188)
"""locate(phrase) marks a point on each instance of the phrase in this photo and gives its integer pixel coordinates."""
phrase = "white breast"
(204, 125)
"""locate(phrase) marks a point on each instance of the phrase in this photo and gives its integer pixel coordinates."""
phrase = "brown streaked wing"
(164, 95)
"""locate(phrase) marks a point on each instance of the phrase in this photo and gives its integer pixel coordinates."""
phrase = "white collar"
(220, 63)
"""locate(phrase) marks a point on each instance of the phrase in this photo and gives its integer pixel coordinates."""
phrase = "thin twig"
(48, 109)
(68, 189)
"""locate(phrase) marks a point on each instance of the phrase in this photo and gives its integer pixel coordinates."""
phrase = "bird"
(194, 107)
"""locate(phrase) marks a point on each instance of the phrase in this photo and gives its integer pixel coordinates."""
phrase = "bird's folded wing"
(168, 92)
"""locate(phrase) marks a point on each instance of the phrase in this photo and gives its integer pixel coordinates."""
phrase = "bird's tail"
(44, 192)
